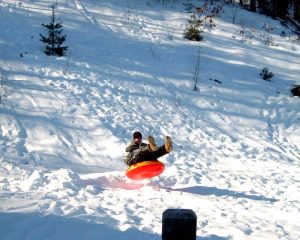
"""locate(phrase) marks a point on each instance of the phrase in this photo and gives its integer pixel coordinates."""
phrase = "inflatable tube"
(144, 170)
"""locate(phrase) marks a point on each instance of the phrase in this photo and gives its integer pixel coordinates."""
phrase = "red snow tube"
(146, 169)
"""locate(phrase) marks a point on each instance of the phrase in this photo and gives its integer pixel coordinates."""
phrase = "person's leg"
(149, 155)
(164, 149)
(161, 151)
(144, 156)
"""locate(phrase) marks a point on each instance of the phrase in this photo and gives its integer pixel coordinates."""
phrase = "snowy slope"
(65, 123)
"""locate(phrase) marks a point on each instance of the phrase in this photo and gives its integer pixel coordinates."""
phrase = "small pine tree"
(54, 40)
(192, 31)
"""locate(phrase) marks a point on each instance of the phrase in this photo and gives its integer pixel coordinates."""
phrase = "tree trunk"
(297, 10)
(253, 5)
(262, 5)
(281, 8)
(275, 8)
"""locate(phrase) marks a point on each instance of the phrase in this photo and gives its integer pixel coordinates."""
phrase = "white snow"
(65, 122)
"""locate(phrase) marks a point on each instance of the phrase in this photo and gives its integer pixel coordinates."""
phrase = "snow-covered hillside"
(64, 122)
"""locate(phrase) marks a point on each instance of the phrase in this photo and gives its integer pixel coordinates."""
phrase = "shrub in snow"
(267, 37)
(192, 31)
(296, 90)
(266, 74)
(54, 40)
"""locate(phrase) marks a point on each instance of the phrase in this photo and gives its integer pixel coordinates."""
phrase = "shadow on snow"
(36, 226)
(202, 190)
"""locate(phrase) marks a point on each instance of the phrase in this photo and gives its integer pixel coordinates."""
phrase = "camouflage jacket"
(132, 149)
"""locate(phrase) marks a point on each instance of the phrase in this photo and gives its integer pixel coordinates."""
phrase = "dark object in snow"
(215, 80)
(266, 74)
(179, 224)
(282, 34)
(296, 90)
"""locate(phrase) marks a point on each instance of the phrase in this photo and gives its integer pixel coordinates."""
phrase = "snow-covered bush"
(266, 74)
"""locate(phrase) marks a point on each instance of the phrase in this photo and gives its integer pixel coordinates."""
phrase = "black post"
(179, 224)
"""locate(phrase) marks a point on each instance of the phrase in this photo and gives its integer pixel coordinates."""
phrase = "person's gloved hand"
(131, 162)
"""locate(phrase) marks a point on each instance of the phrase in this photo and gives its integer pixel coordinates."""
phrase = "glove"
(131, 162)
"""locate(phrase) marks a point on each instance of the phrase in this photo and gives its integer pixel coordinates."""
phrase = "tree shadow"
(213, 237)
(202, 190)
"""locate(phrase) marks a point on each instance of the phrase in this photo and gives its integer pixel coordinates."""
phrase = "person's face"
(138, 140)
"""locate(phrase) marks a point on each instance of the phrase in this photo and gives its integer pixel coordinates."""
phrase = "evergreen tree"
(253, 5)
(54, 40)
(297, 10)
(262, 4)
(192, 31)
(280, 8)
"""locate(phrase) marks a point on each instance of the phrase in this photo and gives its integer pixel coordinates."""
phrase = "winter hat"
(136, 135)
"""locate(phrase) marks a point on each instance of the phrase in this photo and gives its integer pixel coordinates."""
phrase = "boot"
(168, 144)
(152, 146)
